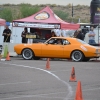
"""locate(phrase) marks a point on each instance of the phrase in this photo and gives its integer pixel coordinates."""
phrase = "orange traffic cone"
(72, 77)
(78, 92)
(8, 57)
(48, 64)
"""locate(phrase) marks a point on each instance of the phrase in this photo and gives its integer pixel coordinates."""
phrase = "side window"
(65, 42)
(59, 42)
(55, 41)
(51, 41)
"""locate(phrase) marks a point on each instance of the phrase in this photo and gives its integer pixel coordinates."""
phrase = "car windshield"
(83, 42)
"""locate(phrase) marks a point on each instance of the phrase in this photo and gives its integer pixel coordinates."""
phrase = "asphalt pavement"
(31, 80)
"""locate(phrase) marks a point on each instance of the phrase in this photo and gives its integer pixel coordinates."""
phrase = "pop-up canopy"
(2, 22)
(45, 18)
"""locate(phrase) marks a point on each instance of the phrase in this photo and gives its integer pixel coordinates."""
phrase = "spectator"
(91, 36)
(58, 32)
(75, 34)
(53, 34)
(6, 34)
(85, 30)
(78, 34)
(23, 35)
(63, 33)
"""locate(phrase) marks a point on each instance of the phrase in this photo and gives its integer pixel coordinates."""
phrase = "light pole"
(72, 13)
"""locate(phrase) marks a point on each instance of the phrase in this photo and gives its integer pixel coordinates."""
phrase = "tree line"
(12, 12)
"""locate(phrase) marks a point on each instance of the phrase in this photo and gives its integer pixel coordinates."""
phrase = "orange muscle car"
(58, 47)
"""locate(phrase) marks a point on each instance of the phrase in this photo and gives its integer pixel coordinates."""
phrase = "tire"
(36, 58)
(77, 56)
(86, 59)
(27, 54)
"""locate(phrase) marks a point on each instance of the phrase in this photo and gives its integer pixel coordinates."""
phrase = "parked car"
(70, 48)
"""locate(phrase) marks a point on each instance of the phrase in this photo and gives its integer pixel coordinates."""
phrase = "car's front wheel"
(27, 54)
(86, 59)
(77, 56)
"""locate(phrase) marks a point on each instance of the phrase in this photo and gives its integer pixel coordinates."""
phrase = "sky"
(57, 2)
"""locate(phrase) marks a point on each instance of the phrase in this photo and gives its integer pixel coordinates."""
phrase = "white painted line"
(67, 84)
(16, 83)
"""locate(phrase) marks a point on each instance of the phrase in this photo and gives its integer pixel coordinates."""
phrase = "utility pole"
(72, 13)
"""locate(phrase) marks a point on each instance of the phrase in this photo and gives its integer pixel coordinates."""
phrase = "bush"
(6, 14)
(61, 14)
(27, 10)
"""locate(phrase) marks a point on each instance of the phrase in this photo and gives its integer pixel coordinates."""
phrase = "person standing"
(58, 32)
(91, 36)
(53, 34)
(23, 35)
(63, 33)
(78, 34)
(6, 34)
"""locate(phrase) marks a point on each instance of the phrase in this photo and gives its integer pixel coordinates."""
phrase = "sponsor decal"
(36, 25)
(82, 47)
(42, 16)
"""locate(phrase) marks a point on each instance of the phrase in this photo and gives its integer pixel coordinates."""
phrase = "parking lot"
(30, 80)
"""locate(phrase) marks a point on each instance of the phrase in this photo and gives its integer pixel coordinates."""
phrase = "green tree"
(27, 10)
(61, 14)
(6, 14)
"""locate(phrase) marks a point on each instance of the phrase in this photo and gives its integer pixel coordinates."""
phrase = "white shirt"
(91, 37)
(63, 33)
(58, 32)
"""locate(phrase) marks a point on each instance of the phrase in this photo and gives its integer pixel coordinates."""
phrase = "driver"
(59, 41)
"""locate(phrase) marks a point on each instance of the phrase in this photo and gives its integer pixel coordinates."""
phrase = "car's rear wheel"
(27, 54)
(77, 56)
